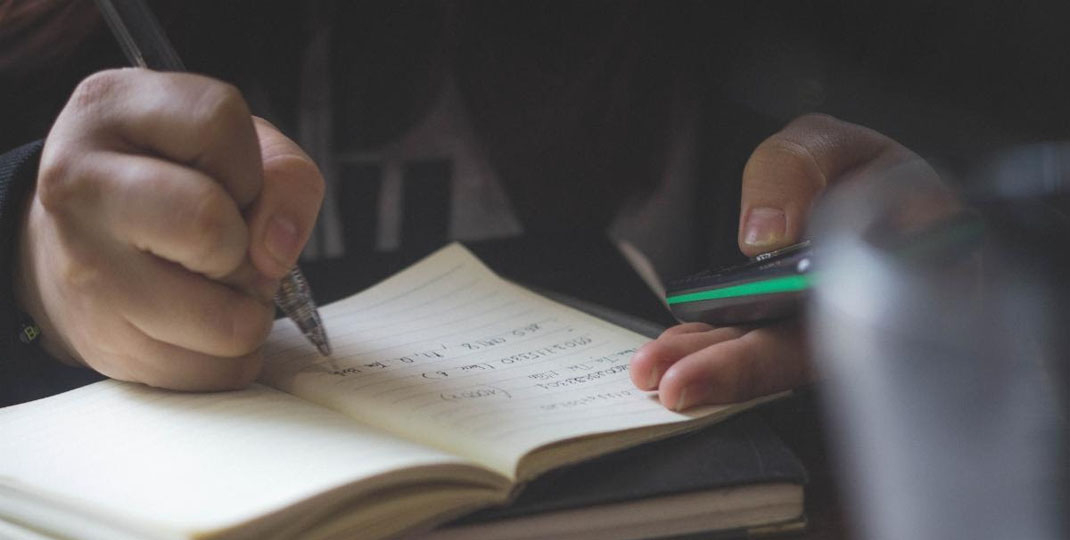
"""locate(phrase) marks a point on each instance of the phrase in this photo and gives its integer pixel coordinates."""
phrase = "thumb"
(282, 217)
(787, 172)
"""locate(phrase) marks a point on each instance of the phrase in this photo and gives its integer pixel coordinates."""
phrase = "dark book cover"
(739, 451)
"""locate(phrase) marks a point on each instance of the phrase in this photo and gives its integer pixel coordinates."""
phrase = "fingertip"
(641, 368)
(681, 388)
(654, 360)
(669, 389)
(764, 229)
(686, 328)
(761, 362)
(685, 385)
(719, 374)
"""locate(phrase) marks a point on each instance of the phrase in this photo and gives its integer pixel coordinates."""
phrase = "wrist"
(26, 286)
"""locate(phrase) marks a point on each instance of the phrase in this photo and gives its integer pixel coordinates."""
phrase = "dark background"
(572, 97)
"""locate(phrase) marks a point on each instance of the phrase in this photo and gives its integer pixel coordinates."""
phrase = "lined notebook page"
(448, 353)
(170, 464)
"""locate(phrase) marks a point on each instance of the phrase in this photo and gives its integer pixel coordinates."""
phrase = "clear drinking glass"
(940, 319)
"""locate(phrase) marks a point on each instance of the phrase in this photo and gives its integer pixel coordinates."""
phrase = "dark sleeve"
(26, 372)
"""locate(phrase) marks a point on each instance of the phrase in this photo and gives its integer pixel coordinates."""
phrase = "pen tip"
(324, 347)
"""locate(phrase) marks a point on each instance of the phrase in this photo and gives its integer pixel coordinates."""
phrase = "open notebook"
(449, 388)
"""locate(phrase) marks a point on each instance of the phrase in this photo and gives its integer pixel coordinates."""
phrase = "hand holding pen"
(146, 46)
(163, 219)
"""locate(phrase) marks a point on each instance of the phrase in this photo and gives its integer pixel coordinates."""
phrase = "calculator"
(767, 287)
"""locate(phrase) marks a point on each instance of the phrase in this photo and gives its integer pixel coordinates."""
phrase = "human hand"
(695, 363)
(163, 218)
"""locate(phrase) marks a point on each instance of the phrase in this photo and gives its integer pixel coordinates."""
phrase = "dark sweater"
(26, 372)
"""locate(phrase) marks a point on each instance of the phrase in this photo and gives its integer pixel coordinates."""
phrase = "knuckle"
(207, 217)
(781, 147)
(747, 376)
(219, 104)
(57, 185)
(97, 88)
(83, 272)
(299, 168)
(746, 382)
(732, 381)
(214, 235)
(726, 333)
(313, 180)
(788, 156)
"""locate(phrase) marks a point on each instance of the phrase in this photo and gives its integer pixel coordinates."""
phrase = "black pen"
(145, 45)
